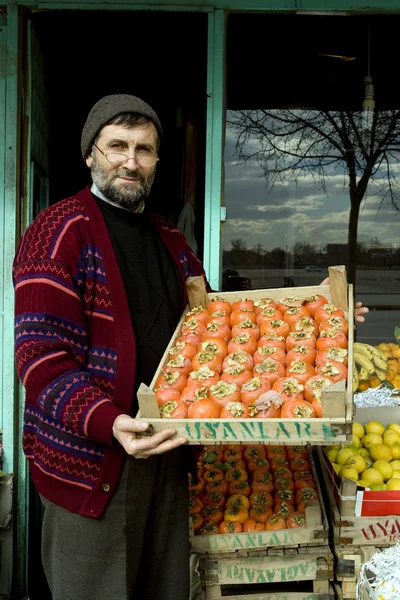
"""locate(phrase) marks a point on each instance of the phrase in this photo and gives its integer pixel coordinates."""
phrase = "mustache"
(125, 173)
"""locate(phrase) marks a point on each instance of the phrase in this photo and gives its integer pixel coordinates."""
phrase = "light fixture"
(368, 105)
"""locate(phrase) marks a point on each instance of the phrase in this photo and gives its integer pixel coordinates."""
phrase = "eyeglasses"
(142, 158)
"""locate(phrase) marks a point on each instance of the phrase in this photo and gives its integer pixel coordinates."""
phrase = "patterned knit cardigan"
(75, 349)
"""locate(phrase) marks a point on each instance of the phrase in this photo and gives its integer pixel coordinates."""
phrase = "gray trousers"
(137, 550)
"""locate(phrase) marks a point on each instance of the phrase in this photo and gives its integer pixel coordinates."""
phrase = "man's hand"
(125, 429)
(359, 309)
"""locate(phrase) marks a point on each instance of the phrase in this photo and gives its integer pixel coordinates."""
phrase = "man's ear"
(89, 159)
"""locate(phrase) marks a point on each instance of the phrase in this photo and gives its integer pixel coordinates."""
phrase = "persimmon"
(242, 314)
(307, 324)
(204, 409)
(312, 303)
(275, 451)
(283, 507)
(242, 488)
(177, 409)
(283, 472)
(203, 377)
(268, 314)
(210, 455)
(259, 305)
(208, 528)
(338, 323)
(296, 519)
(288, 301)
(284, 495)
(195, 505)
(195, 489)
(213, 474)
(180, 363)
(220, 316)
(206, 359)
(223, 393)
(263, 498)
(277, 326)
(297, 409)
(260, 513)
(304, 475)
(289, 388)
(246, 327)
(197, 521)
(299, 464)
(192, 393)
(237, 375)
(171, 379)
(300, 370)
(199, 313)
(271, 339)
(218, 485)
(302, 483)
(238, 500)
(253, 389)
(296, 452)
(269, 370)
(213, 499)
(191, 338)
(213, 346)
(193, 325)
(243, 304)
(167, 394)
(266, 410)
(236, 513)
(235, 462)
(251, 525)
(331, 354)
(279, 462)
(217, 331)
(306, 494)
(236, 475)
(317, 406)
(254, 464)
(244, 359)
(294, 312)
(212, 513)
(234, 452)
(335, 371)
(331, 337)
(264, 352)
(326, 311)
(218, 304)
(283, 484)
(315, 386)
(254, 451)
(301, 506)
(301, 352)
(275, 522)
(305, 338)
(245, 342)
(230, 527)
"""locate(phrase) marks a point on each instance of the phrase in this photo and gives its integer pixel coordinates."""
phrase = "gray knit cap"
(109, 107)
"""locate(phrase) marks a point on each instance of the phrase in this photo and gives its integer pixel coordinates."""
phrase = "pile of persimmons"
(261, 359)
(251, 488)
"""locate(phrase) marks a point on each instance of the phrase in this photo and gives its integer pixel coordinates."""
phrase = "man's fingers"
(165, 446)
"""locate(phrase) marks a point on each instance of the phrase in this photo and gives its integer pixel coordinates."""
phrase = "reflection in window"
(301, 161)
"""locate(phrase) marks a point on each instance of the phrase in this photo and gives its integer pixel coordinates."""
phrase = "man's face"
(127, 185)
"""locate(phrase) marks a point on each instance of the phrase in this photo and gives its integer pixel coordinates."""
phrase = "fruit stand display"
(271, 367)
(361, 485)
(258, 524)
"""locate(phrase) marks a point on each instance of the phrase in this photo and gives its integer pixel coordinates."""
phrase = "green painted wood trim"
(363, 6)
(214, 145)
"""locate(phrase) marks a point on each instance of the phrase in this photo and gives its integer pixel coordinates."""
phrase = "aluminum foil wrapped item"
(380, 577)
(379, 396)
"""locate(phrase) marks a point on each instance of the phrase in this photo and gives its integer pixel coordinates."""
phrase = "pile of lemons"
(372, 459)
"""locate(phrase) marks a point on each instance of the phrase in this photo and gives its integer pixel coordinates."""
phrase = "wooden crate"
(337, 401)
(340, 504)
(274, 570)
(314, 534)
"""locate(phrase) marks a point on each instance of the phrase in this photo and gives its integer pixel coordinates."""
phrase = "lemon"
(395, 450)
(396, 474)
(332, 454)
(364, 452)
(337, 468)
(384, 469)
(363, 483)
(377, 487)
(393, 484)
(349, 473)
(371, 439)
(358, 462)
(394, 426)
(358, 429)
(343, 455)
(391, 437)
(395, 464)
(368, 461)
(374, 427)
(356, 442)
(381, 452)
(372, 475)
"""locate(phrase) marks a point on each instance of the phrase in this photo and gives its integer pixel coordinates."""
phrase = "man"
(100, 287)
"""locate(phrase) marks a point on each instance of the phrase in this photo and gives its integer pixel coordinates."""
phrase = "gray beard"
(132, 199)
